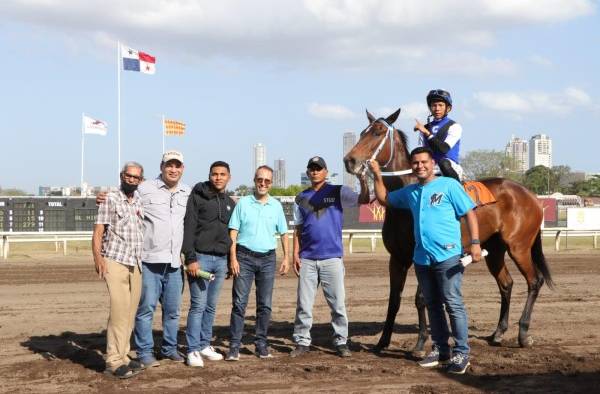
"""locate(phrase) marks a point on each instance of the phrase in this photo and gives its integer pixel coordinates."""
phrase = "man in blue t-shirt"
(318, 250)
(437, 204)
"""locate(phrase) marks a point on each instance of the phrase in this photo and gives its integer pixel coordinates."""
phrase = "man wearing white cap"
(164, 199)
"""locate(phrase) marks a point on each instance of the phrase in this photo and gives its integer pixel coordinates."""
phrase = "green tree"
(483, 163)
(541, 180)
(242, 190)
(13, 192)
(588, 188)
(292, 190)
(563, 177)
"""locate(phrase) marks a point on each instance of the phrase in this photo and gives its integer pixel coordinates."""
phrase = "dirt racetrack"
(54, 309)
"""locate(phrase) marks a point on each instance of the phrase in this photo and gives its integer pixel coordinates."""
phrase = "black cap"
(317, 161)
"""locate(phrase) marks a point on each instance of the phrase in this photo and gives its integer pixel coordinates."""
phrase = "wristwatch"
(475, 241)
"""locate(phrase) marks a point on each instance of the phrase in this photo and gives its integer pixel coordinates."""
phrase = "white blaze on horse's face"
(378, 137)
(383, 135)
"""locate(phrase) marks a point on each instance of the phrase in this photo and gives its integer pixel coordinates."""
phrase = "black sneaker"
(343, 351)
(300, 350)
(433, 359)
(263, 352)
(458, 364)
(233, 354)
(135, 366)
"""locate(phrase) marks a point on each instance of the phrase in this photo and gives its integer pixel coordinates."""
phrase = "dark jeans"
(441, 285)
(262, 271)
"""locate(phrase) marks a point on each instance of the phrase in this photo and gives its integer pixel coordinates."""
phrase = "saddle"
(479, 193)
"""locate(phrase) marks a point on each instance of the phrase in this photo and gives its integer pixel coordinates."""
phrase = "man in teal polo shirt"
(254, 223)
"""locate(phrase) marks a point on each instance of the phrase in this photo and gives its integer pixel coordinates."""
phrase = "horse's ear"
(392, 118)
(369, 116)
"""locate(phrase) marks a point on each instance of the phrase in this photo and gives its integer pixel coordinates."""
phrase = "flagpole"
(119, 104)
(163, 133)
(82, 148)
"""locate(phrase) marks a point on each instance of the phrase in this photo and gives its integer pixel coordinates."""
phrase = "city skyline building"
(517, 150)
(279, 173)
(349, 140)
(259, 157)
(540, 151)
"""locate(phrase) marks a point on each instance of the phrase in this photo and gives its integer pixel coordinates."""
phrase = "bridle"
(389, 136)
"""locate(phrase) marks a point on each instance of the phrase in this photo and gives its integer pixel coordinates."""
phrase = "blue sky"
(294, 75)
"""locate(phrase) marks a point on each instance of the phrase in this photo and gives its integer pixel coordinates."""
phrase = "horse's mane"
(404, 139)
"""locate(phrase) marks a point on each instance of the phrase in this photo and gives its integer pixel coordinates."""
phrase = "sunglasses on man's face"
(266, 181)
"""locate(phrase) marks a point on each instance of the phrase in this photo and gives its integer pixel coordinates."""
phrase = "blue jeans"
(160, 282)
(204, 295)
(441, 285)
(262, 271)
(330, 274)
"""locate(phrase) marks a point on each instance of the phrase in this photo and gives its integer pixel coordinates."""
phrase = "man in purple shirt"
(318, 250)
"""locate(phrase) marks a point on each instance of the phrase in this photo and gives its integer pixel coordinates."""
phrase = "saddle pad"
(479, 193)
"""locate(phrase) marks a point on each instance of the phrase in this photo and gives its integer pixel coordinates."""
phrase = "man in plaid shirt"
(117, 249)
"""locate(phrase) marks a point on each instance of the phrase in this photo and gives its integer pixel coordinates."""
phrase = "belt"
(249, 252)
(213, 254)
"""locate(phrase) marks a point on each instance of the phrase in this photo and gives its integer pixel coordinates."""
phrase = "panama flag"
(137, 61)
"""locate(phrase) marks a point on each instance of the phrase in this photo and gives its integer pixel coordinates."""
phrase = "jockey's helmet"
(439, 95)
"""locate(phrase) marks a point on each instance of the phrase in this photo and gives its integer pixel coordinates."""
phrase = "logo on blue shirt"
(436, 199)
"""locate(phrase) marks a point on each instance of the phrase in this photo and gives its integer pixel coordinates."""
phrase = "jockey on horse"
(442, 134)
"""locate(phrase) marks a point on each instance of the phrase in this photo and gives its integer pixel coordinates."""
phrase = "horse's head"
(377, 141)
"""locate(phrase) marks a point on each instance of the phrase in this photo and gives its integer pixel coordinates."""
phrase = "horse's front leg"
(397, 280)
(418, 350)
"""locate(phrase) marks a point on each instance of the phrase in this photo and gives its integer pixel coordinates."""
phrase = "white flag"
(94, 126)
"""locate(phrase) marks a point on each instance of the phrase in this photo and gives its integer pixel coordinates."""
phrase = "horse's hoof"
(527, 342)
(378, 348)
(494, 340)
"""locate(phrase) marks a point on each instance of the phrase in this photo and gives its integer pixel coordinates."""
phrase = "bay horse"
(512, 224)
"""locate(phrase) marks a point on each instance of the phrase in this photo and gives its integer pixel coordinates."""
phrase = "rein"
(389, 136)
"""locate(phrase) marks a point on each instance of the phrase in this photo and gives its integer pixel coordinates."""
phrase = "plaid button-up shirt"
(124, 231)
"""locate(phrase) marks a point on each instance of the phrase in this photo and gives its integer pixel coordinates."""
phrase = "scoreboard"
(18, 214)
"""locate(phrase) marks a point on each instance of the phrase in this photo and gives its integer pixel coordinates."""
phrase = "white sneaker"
(194, 359)
(210, 354)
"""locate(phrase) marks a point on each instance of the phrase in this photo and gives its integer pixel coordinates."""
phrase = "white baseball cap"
(172, 155)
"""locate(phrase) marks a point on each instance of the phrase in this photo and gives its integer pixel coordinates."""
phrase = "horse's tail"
(539, 260)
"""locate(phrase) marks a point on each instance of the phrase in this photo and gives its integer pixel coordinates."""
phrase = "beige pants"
(124, 288)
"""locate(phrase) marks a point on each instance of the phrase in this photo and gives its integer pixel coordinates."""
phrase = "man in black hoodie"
(206, 244)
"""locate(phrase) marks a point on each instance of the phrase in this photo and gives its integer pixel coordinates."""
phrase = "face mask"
(127, 188)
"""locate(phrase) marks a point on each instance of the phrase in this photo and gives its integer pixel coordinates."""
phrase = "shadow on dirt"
(87, 349)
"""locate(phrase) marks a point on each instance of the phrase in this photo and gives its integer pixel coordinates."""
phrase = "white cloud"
(541, 61)
(577, 96)
(414, 110)
(340, 34)
(520, 103)
(330, 111)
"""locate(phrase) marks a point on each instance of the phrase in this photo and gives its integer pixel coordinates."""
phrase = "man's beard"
(128, 188)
